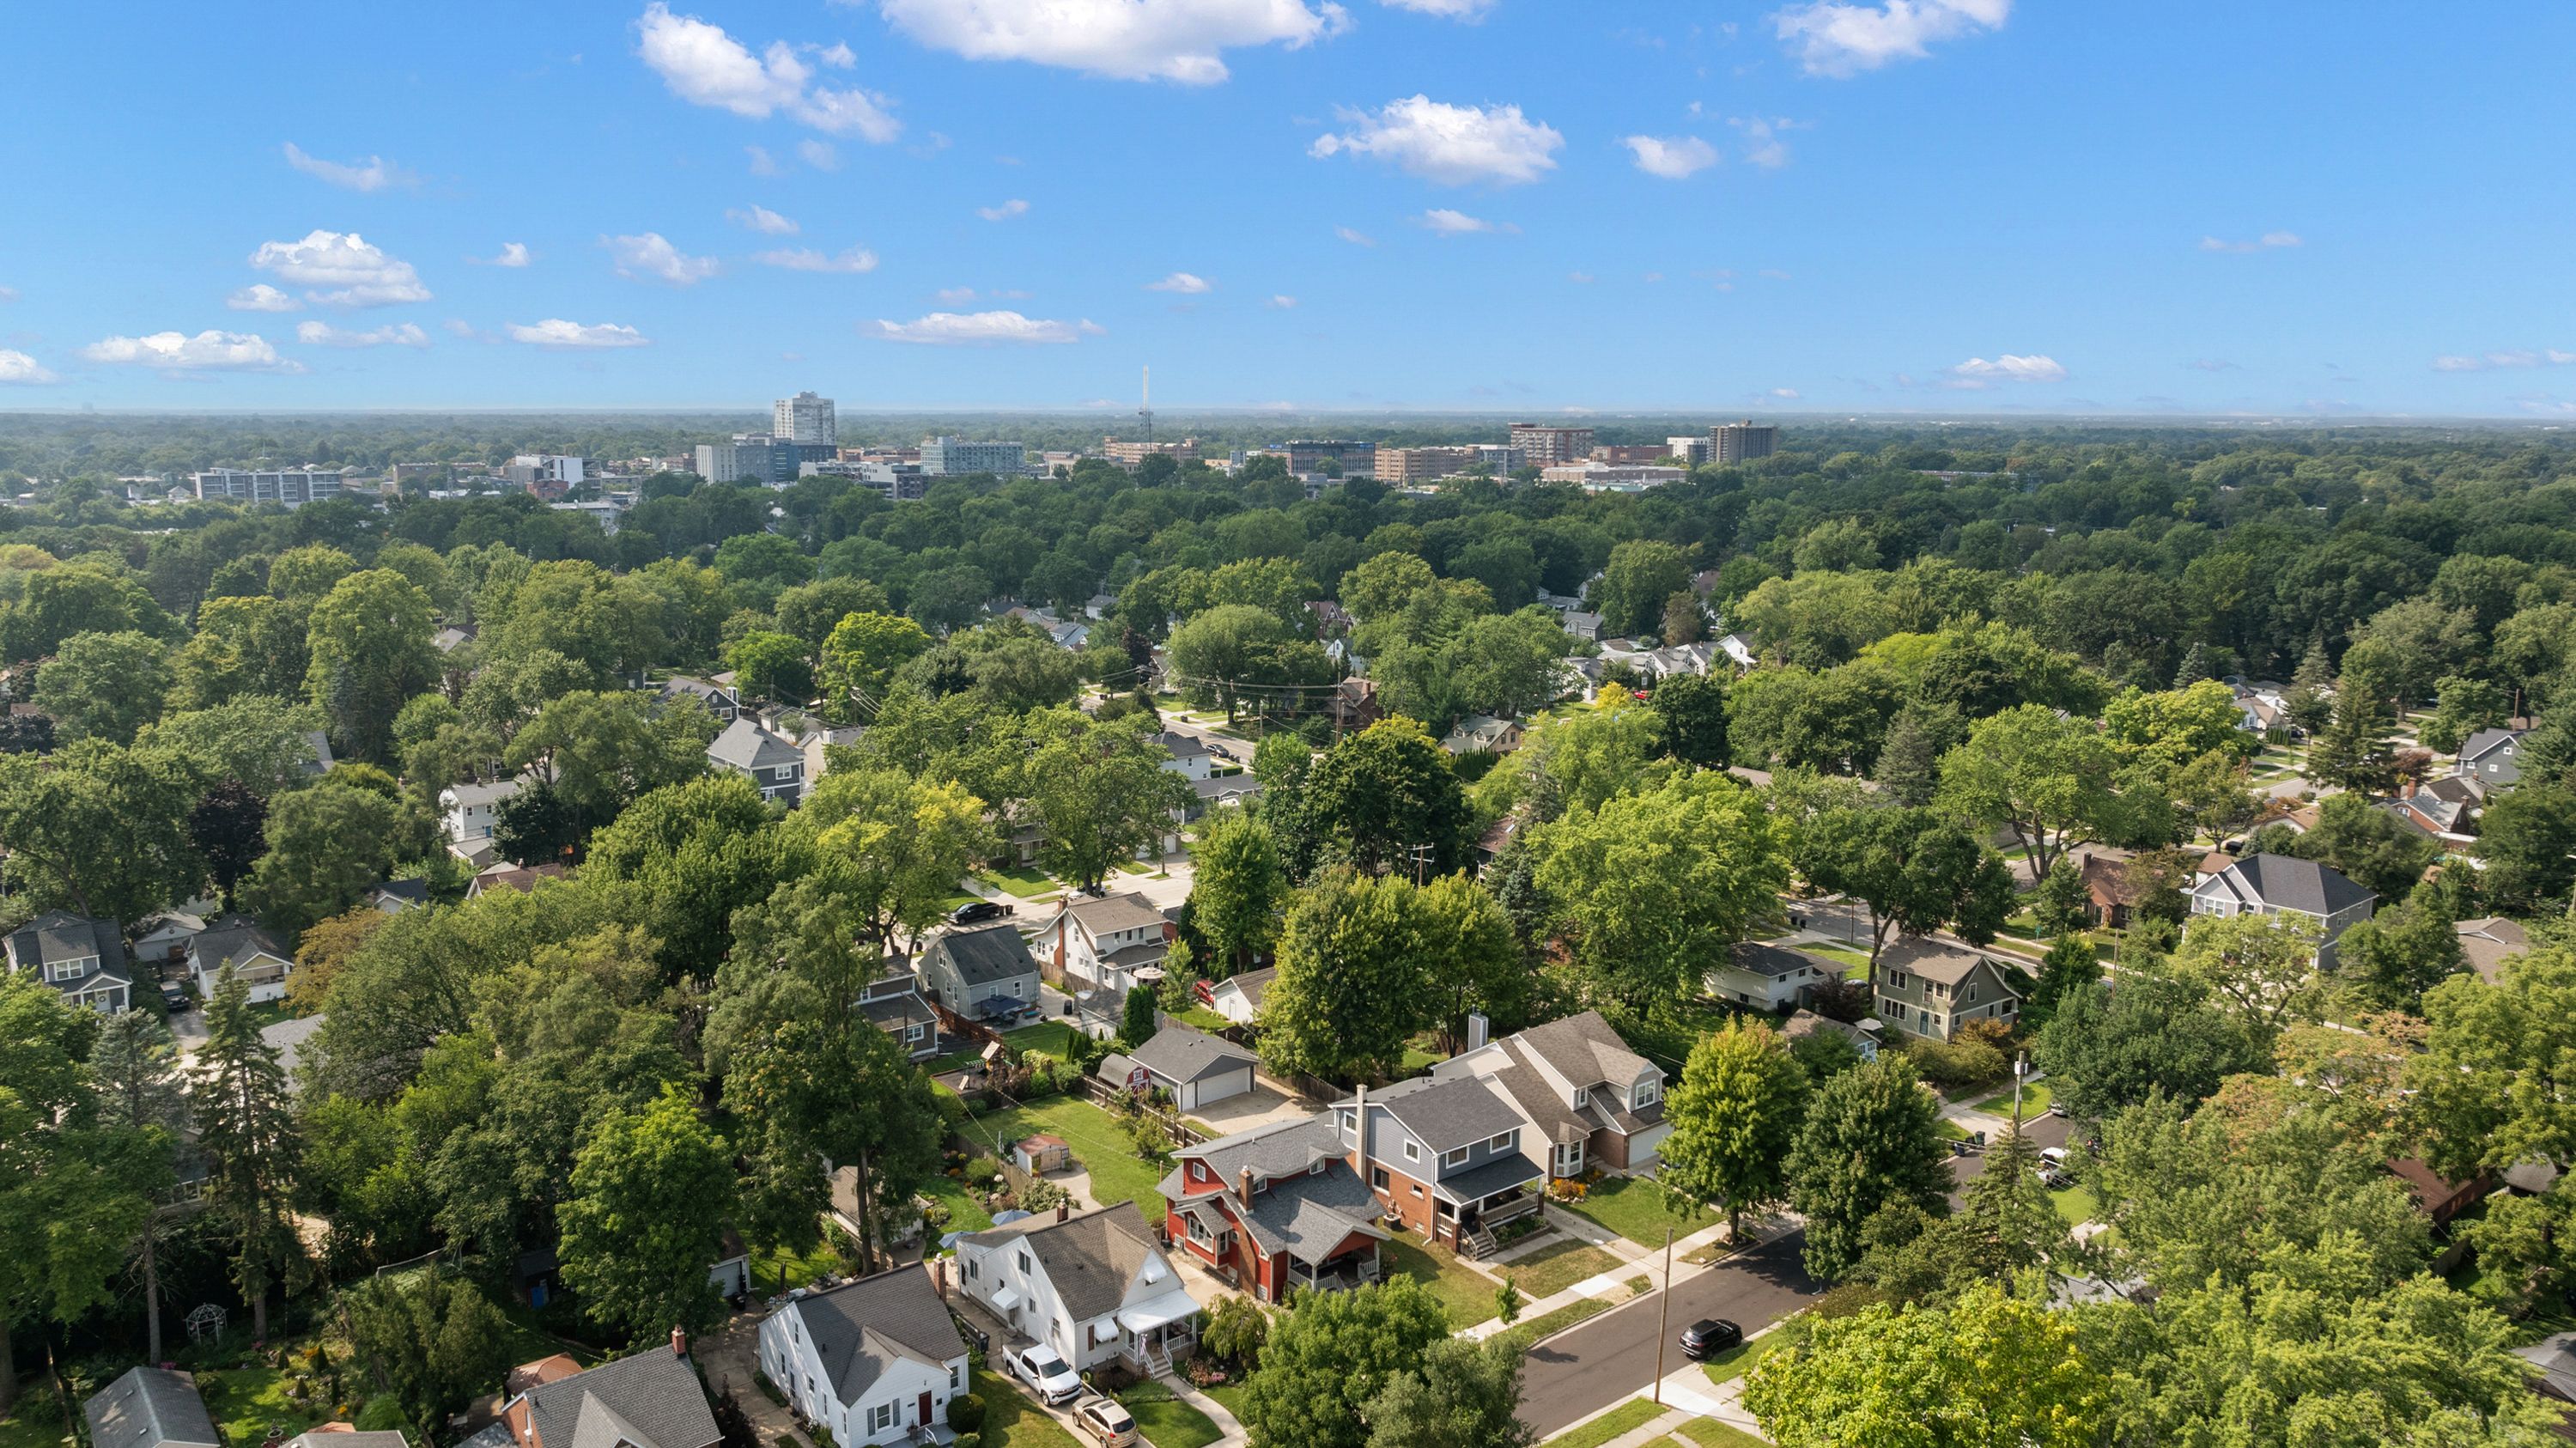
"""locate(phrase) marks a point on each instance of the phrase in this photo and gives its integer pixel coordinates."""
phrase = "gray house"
(1197, 1069)
(965, 969)
(80, 957)
(1445, 1157)
(2489, 757)
(2286, 885)
(762, 757)
(151, 1408)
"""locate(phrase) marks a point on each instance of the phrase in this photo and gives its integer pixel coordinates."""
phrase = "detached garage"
(1194, 1067)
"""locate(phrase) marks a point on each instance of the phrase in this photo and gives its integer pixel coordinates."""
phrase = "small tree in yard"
(1508, 1301)
(1138, 1024)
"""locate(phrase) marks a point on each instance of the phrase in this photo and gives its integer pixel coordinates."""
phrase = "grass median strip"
(1617, 1423)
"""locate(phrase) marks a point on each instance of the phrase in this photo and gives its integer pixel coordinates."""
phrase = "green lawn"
(1710, 1433)
(36, 1419)
(1099, 1144)
(1166, 1421)
(799, 1268)
(2077, 1204)
(2034, 1102)
(1740, 1359)
(248, 1402)
(1855, 963)
(1634, 1208)
(1025, 881)
(1467, 1293)
(1053, 1038)
(1556, 1267)
(1231, 1395)
(1201, 1018)
(1618, 1422)
(965, 1214)
(1531, 1329)
(1953, 1130)
(1011, 1421)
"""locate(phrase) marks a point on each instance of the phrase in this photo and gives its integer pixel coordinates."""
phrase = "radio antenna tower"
(1145, 413)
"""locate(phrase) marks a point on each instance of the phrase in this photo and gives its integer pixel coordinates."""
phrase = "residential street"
(1612, 1358)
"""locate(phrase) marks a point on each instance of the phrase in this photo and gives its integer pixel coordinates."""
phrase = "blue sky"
(1942, 205)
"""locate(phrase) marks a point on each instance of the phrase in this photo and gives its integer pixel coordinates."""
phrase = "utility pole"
(1664, 1317)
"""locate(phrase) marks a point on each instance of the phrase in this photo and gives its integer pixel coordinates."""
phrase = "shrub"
(966, 1413)
(1235, 1331)
(968, 1440)
(382, 1413)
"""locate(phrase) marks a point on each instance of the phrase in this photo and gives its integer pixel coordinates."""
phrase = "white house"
(1739, 649)
(238, 943)
(1190, 758)
(1093, 1286)
(1238, 996)
(468, 812)
(2286, 885)
(869, 1360)
(762, 757)
(1101, 944)
(1769, 977)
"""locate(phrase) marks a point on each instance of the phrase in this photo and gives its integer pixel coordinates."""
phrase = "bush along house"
(1274, 1209)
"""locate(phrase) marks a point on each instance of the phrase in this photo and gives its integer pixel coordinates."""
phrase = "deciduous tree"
(1660, 884)
(651, 1193)
(1331, 1355)
(1735, 1117)
(1871, 1136)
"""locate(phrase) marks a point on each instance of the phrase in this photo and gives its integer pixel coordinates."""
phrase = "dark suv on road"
(1709, 1335)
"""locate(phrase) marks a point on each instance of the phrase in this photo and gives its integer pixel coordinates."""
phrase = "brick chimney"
(679, 1343)
(2406, 788)
(1243, 1185)
(1063, 1210)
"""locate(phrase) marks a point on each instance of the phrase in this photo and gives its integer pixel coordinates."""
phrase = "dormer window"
(1315, 1168)
(1648, 1092)
(1454, 1158)
(1350, 1122)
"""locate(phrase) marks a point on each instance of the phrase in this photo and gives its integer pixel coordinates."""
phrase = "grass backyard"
(778, 1269)
(1467, 1293)
(1634, 1208)
(1617, 1423)
(1012, 1421)
(1100, 1146)
(1556, 1267)
(1054, 1038)
(965, 1214)
(1166, 1421)
(247, 1402)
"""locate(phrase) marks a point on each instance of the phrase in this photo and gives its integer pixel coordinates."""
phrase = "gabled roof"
(231, 940)
(401, 894)
(2485, 742)
(2286, 882)
(2486, 944)
(1185, 1054)
(1774, 962)
(469, 795)
(1584, 1050)
(1090, 1258)
(650, 1400)
(982, 956)
(149, 1407)
(1931, 959)
(1446, 1114)
(1249, 984)
(745, 745)
(1182, 746)
(862, 1328)
(1111, 914)
(287, 1039)
(1280, 1149)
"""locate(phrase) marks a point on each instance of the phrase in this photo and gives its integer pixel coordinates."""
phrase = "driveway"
(1612, 1358)
(1259, 1106)
(732, 1358)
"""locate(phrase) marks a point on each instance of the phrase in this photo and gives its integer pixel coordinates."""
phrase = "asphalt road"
(1612, 1358)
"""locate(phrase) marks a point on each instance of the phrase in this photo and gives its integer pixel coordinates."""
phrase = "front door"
(925, 1410)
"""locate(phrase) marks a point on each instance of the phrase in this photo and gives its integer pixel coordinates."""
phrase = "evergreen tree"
(2195, 666)
(246, 1126)
(133, 1064)
(1909, 763)
(1138, 1022)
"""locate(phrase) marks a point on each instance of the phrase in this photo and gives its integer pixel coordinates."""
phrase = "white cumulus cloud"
(372, 174)
(556, 332)
(261, 297)
(1470, 11)
(2268, 241)
(513, 254)
(204, 352)
(1671, 157)
(982, 329)
(1446, 222)
(1354, 237)
(1175, 40)
(22, 370)
(807, 259)
(821, 155)
(1451, 145)
(1833, 38)
(398, 334)
(1282, 302)
(649, 257)
(1004, 212)
(704, 66)
(1764, 146)
(341, 270)
(762, 220)
(1182, 282)
(1977, 373)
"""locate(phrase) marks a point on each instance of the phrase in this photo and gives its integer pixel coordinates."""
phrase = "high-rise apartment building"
(294, 488)
(1690, 449)
(1542, 446)
(955, 457)
(1741, 442)
(1307, 455)
(804, 418)
(753, 457)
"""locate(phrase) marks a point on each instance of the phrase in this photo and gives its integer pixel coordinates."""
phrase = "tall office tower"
(1742, 442)
(1543, 446)
(804, 418)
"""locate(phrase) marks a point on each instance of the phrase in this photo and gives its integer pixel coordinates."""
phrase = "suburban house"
(2445, 815)
(2489, 757)
(1739, 651)
(1190, 757)
(163, 939)
(1353, 704)
(82, 958)
(720, 700)
(1100, 944)
(1444, 1157)
(898, 1009)
(762, 757)
(870, 1360)
(1769, 977)
(502, 875)
(1238, 996)
(965, 970)
(2264, 708)
(151, 1408)
(1276, 1208)
(1803, 1023)
(1225, 791)
(1194, 1068)
(241, 945)
(1588, 1099)
(1483, 732)
(393, 897)
(467, 812)
(2109, 897)
(650, 1400)
(1092, 1285)
(2488, 942)
(2286, 885)
(1584, 626)
(1930, 988)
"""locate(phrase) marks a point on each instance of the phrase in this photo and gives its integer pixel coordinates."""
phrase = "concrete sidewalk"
(1649, 1265)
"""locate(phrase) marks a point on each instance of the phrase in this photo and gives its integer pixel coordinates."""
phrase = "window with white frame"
(1454, 1158)
(881, 1416)
(1649, 1091)
(71, 969)
(1350, 1122)
(1506, 1141)
(1412, 1151)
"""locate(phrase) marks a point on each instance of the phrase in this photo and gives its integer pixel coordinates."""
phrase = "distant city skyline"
(1392, 207)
